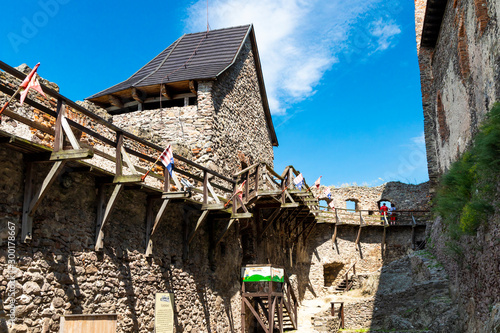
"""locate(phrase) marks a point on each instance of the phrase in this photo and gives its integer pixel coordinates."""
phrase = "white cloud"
(298, 40)
(384, 31)
(419, 140)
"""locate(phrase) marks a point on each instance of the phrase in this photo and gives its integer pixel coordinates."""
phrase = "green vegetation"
(464, 199)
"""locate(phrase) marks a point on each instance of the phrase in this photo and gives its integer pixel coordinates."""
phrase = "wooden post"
(257, 178)
(58, 137)
(247, 186)
(205, 187)
(27, 220)
(119, 145)
(243, 317)
(166, 183)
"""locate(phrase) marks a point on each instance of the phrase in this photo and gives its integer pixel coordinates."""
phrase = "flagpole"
(237, 192)
(10, 100)
(145, 175)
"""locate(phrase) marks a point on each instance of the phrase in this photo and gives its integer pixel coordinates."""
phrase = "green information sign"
(262, 274)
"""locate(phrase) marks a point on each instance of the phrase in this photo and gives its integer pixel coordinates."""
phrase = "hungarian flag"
(30, 82)
(299, 181)
(328, 193)
(167, 158)
(317, 182)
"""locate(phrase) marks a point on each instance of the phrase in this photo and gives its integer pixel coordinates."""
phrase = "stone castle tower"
(206, 93)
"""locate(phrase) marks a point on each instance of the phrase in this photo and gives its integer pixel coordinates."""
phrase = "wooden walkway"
(72, 139)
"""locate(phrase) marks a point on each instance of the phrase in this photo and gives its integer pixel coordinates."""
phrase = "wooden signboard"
(164, 313)
(85, 323)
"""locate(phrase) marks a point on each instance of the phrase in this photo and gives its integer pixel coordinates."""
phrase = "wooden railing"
(110, 137)
(350, 280)
(371, 217)
(48, 127)
(290, 301)
(340, 312)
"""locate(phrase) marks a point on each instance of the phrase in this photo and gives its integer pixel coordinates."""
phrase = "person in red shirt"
(383, 211)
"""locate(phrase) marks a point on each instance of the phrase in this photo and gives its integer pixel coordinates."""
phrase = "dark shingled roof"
(215, 51)
(197, 56)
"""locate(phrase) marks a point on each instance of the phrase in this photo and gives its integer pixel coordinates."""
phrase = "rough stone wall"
(460, 77)
(473, 266)
(368, 255)
(225, 128)
(404, 196)
(241, 130)
(60, 273)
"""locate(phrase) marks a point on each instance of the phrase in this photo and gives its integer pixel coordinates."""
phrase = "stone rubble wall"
(460, 77)
(404, 196)
(242, 134)
(60, 273)
(473, 267)
(367, 255)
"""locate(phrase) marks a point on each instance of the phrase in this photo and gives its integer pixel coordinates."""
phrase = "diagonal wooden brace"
(202, 218)
(31, 203)
(150, 230)
(231, 221)
(103, 214)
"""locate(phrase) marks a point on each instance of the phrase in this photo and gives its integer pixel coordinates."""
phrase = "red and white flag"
(240, 190)
(30, 82)
(332, 205)
(317, 182)
(167, 158)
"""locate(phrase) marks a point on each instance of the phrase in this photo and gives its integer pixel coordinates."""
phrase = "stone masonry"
(226, 128)
(460, 77)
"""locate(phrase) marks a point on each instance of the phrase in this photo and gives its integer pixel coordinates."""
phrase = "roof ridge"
(202, 32)
(250, 26)
(161, 64)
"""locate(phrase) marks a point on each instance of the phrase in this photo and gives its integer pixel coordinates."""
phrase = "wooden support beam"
(359, 235)
(128, 161)
(270, 220)
(229, 224)
(255, 314)
(139, 95)
(303, 230)
(127, 179)
(334, 237)
(69, 133)
(49, 179)
(309, 232)
(241, 215)
(71, 154)
(31, 202)
(176, 195)
(115, 101)
(166, 92)
(383, 241)
(216, 206)
(27, 220)
(193, 86)
(103, 214)
(118, 154)
(58, 137)
(202, 218)
(299, 222)
(150, 233)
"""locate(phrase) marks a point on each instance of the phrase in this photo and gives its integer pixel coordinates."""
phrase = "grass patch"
(466, 192)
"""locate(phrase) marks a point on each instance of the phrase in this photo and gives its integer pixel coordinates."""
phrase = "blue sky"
(342, 76)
